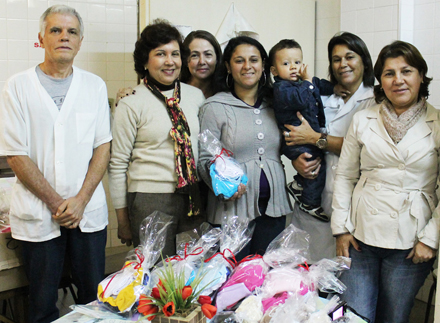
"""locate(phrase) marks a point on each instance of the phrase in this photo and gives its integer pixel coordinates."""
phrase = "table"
(13, 281)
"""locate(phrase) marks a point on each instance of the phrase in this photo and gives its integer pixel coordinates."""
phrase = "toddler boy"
(296, 91)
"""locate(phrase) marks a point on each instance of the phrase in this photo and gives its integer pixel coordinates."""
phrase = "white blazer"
(385, 193)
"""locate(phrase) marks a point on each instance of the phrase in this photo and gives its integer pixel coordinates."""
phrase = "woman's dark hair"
(357, 45)
(412, 57)
(185, 75)
(282, 44)
(264, 88)
(160, 32)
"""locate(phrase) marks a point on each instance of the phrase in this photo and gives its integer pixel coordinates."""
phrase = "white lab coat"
(385, 193)
(59, 142)
(338, 115)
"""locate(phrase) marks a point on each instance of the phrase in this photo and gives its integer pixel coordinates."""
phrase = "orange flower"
(155, 293)
(168, 309)
(144, 298)
(152, 310)
(204, 300)
(209, 310)
(186, 292)
(144, 302)
(147, 307)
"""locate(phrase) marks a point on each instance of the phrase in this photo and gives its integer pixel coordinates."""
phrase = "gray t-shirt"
(57, 88)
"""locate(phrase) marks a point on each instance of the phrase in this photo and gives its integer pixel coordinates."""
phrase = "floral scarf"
(187, 181)
(398, 126)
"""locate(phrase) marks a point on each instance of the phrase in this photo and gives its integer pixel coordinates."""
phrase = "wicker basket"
(195, 316)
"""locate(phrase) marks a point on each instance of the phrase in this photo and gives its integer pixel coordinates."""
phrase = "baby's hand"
(303, 74)
(122, 93)
(341, 91)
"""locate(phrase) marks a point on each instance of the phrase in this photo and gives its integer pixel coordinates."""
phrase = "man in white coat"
(56, 136)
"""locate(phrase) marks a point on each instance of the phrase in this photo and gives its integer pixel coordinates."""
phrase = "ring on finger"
(287, 134)
(302, 118)
(313, 173)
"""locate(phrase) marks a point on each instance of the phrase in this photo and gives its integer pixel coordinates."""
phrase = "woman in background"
(350, 66)
(154, 148)
(241, 117)
(204, 53)
(384, 214)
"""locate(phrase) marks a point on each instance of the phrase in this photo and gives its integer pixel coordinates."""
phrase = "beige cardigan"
(142, 154)
(385, 193)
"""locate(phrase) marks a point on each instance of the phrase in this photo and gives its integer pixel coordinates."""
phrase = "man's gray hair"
(64, 10)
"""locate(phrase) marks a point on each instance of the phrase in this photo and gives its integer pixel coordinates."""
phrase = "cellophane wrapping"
(121, 290)
(226, 173)
(192, 249)
(236, 233)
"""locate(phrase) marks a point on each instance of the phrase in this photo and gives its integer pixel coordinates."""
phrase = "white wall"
(427, 40)
(272, 20)
(376, 22)
(379, 22)
(110, 34)
(328, 21)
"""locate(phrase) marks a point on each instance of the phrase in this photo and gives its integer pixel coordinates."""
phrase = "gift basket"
(226, 173)
(235, 235)
(192, 250)
(245, 278)
(121, 290)
(193, 247)
(246, 275)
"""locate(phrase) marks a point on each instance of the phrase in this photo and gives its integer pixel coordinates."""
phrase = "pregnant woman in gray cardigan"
(241, 117)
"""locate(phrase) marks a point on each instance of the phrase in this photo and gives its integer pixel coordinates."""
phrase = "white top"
(60, 143)
(385, 193)
(338, 116)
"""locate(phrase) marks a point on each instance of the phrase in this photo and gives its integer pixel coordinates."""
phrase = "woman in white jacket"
(384, 214)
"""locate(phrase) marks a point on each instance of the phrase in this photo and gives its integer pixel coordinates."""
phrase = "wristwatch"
(322, 142)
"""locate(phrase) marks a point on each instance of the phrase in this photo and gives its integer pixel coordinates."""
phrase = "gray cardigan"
(254, 138)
